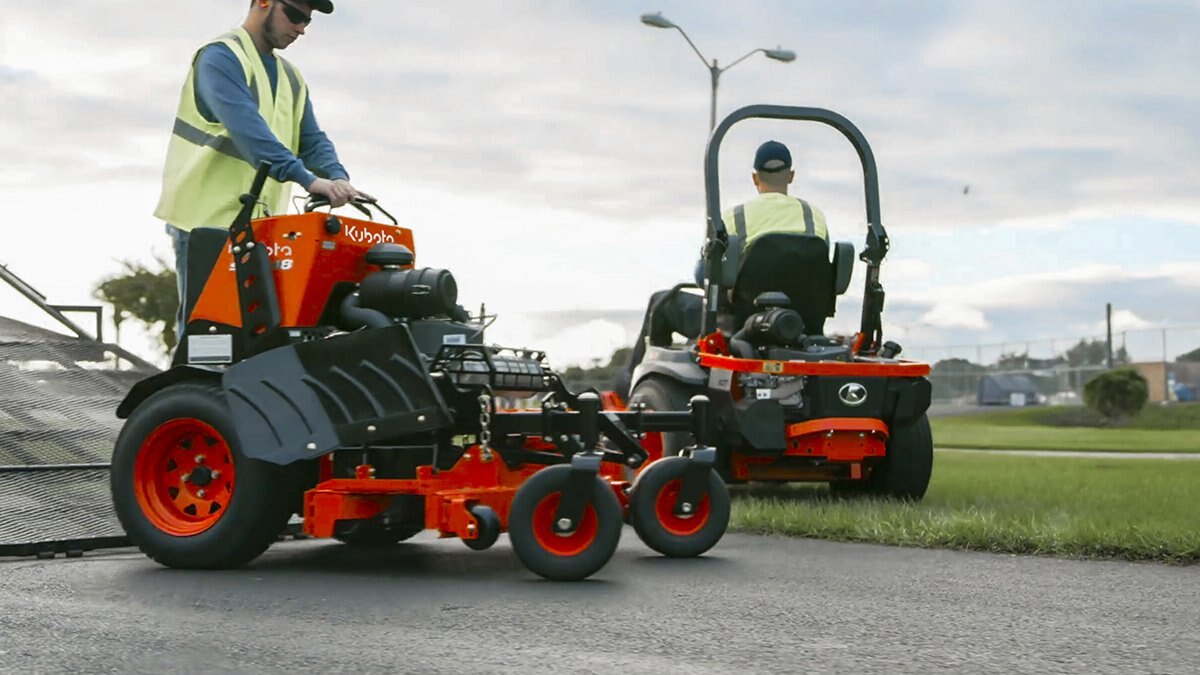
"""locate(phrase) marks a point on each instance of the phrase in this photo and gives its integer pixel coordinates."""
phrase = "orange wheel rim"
(184, 477)
(680, 526)
(564, 545)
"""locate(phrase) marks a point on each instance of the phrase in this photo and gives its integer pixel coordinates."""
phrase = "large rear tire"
(182, 488)
(904, 473)
(664, 395)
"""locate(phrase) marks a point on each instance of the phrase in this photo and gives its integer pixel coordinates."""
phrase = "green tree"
(1117, 394)
(602, 377)
(145, 294)
(1094, 353)
(1012, 361)
(955, 378)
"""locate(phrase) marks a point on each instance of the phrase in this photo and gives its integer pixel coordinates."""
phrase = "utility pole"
(1108, 321)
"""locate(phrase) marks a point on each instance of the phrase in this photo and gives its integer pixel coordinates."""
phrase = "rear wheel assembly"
(563, 556)
(652, 502)
(661, 394)
(904, 473)
(182, 488)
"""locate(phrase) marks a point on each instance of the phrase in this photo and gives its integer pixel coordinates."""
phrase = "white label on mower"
(454, 339)
(210, 349)
(762, 393)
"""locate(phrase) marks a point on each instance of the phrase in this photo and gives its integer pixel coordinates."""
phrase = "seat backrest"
(795, 264)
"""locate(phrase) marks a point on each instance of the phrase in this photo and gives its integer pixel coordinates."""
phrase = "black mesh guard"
(302, 401)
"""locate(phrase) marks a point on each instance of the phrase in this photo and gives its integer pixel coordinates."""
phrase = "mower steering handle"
(360, 202)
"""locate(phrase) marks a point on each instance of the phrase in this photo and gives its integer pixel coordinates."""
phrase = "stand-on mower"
(790, 403)
(321, 374)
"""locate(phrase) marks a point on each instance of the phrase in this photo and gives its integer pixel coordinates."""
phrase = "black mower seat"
(797, 265)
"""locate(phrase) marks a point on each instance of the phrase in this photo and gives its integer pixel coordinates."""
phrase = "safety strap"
(810, 228)
(292, 80)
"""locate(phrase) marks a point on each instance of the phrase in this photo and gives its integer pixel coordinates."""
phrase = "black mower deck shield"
(302, 401)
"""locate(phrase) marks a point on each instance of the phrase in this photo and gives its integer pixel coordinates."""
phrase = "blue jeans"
(179, 241)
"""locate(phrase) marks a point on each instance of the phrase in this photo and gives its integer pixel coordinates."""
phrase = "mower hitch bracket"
(577, 492)
(701, 460)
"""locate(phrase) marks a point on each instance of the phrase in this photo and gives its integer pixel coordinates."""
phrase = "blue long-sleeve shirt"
(225, 97)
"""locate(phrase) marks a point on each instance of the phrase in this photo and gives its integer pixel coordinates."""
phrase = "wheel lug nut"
(216, 474)
(201, 493)
(185, 477)
(200, 459)
(686, 507)
(564, 523)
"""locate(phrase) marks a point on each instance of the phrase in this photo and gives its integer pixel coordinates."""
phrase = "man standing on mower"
(772, 211)
(241, 105)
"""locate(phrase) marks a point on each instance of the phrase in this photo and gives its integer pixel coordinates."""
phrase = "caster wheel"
(568, 556)
(652, 505)
(489, 528)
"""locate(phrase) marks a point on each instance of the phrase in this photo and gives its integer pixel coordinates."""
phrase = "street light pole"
(657, 20)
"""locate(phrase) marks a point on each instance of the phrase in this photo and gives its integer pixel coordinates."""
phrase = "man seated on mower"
(771, 212)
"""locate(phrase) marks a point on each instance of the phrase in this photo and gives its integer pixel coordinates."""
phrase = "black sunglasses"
(295, 15)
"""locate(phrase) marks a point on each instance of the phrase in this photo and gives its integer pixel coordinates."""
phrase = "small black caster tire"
(573, 556)
(652, 503)
(489, 528)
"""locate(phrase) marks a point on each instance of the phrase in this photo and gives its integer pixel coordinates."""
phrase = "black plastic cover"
(302, 401)
(763, 427)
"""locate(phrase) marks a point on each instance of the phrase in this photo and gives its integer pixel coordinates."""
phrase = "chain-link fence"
(58, 397)
(1054, 371)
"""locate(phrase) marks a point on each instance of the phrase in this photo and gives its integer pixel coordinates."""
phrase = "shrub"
(1117, 394)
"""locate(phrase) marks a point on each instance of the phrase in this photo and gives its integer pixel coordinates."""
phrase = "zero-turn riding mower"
(790, 403)
(321, 374)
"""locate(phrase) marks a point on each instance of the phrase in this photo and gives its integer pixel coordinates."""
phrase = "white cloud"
(944, 315)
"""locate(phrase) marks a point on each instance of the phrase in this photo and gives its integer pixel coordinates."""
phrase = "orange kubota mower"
(320, 373)
(791, 404)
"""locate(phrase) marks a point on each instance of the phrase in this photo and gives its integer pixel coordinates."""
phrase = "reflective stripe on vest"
(205, 172)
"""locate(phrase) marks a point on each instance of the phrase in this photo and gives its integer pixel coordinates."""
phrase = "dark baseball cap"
(323, 6)
(771, 157)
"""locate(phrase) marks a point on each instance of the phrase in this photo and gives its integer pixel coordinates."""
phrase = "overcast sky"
(550, 153)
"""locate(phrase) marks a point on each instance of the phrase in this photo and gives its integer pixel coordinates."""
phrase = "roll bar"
(718, 238)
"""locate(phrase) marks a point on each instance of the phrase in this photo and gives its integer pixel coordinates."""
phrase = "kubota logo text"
(363, 236)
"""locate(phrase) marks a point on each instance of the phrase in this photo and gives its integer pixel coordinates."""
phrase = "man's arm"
(316, 150)
(226, 98)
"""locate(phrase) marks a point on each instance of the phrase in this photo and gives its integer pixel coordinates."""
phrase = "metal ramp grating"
(58, 397)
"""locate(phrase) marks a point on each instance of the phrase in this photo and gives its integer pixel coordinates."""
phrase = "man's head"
(772, 168)
(276, 24)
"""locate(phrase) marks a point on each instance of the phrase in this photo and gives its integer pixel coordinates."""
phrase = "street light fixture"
(657, 20)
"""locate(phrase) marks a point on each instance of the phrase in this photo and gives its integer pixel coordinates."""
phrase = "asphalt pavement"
(753, 605)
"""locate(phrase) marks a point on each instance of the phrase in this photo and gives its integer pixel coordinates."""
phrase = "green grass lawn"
(1071, 507)
(1174, 428)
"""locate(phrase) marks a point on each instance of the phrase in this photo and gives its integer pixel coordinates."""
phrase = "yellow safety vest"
(775, 212)
(205, 173)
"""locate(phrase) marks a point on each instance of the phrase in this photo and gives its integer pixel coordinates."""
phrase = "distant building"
(1006, 389)
(1170, 381)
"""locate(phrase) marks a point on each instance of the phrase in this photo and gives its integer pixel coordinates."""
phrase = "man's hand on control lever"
(338, 192)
